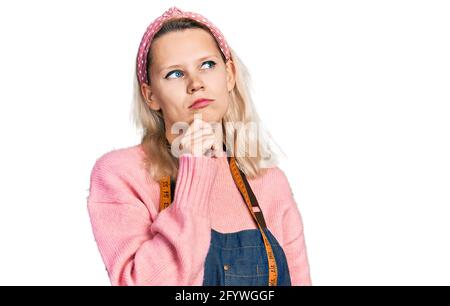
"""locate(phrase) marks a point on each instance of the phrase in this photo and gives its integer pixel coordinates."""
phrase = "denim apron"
(238, 258)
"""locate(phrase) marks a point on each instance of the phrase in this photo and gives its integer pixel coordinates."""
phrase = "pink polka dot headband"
(153, 28)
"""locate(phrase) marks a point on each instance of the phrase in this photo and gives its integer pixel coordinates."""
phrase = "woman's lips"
(201, 104)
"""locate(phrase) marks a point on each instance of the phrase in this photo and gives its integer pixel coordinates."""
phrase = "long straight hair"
(160, 162)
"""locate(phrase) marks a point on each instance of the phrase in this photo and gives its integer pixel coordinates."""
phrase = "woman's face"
(187, 65)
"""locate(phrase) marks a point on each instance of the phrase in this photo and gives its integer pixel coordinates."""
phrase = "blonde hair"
(160, 162)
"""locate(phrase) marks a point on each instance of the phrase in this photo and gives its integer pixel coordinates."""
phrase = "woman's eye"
(178, 72)
(212, 63)
(170, 73)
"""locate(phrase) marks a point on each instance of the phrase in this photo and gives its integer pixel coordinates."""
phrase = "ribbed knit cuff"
(195, 178)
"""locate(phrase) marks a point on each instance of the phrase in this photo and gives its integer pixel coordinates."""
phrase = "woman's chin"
(207, 115)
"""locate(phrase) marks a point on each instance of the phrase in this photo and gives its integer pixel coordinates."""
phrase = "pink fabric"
(153, 28)
(142, 246)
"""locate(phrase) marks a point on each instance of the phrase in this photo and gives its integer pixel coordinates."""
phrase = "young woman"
(200, 207)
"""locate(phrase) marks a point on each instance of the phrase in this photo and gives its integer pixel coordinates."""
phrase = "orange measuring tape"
(167, 187)
(165, 193)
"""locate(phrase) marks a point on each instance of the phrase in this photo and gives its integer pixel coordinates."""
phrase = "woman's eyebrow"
(198, 60)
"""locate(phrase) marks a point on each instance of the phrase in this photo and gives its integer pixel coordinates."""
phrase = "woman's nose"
(195, 84)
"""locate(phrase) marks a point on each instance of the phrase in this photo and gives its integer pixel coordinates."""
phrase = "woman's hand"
(200, 139)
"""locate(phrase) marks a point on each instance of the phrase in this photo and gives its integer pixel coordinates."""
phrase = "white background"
(357, 93)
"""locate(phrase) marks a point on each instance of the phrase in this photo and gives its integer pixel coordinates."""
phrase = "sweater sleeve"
(294, 245)
(172, 249)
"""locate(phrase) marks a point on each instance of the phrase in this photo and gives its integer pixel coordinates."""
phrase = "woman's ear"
(231, 75)
(147, 93)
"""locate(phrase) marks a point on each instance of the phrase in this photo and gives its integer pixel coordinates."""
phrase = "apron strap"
(252, 204)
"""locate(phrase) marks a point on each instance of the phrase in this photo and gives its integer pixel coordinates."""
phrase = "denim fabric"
(240, 259)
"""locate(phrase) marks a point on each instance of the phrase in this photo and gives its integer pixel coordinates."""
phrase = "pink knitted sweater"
(142, 246)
